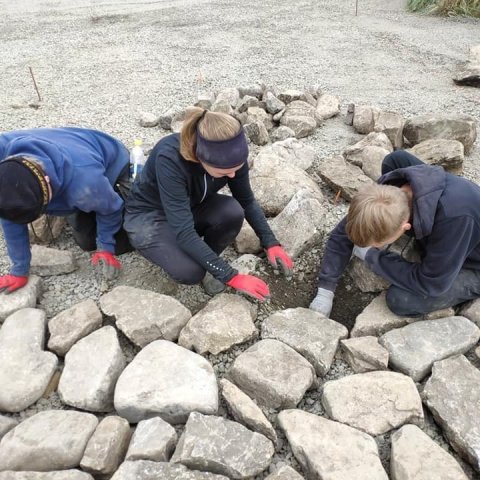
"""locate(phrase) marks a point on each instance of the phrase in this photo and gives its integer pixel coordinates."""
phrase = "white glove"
(360, 252)
(322, 303)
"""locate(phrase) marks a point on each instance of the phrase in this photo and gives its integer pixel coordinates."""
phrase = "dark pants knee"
(402, 303)
(399, 159)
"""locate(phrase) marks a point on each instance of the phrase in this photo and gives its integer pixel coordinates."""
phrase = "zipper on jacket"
(205, 192)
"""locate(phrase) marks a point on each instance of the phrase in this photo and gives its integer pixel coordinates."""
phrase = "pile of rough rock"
(121, 418)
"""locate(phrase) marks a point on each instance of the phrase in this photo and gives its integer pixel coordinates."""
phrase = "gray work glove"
(360, 252)
(322, 303)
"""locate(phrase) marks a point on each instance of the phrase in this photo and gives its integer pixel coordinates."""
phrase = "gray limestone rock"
(453, 396)
(222, 106)
(144, 316)
(364, 118)
(6, 424)
(328, 106)
(61, 475)
(414, 348)
(229, 95)
(256, 132)
(245, 411)
(373, 139)
(247, 264)
(415, 456)
(285, 473)
(225, 321)
(294, 152)
(311, 334)
(72, 324)
(274, 187)
(377, 318)
(247, 240)
(329, 450)
(303, 126)
(25, 297)
(375, 402)
(370, 160)
(438, 151)
(299, 108)
(153, 439)
(343, 176)
(281, 133)
(217, 445)
(246, 102)
(168, 381)
(273, 374)
(299, 225)
(205, 100)
(451, 127)
(26, 369)
(106, 448)
(46, 229)
(391, 124)
(364, 354)
(469, 74)
(364, 278)
(172, 115)
(273, 104)
(148, 120)
(51, 261)
(291, 95)
(471, 311)
(146, 470)
(92, 367)
(49, 440)
(258, 114)
(254, 90)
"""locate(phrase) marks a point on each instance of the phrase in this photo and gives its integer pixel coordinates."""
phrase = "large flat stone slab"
(106, 448)
(25, 297)
(376, 319)
(299, 224)
(375, 402)
(364, 354)
(273, 374)
(49, 440)
(328, 450)
(439, 151)
(72, 324)
(451, 127)
(166, 380)
(225, 321)
(452, 394)
(310, 333)
(147, 470)
(62, 475)
(414, 348)
(51, 261)
(415, 456)
(153, 439)
(26, 369)
(6, 424)
(92, 368)
(144, 316)
(245, 411)
(221, 446)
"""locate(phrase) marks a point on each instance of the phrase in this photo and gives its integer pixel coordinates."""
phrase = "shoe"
(211, 285)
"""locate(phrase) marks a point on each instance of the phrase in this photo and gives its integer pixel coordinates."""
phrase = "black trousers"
(218, 220)
(465, 287)
(84, 225)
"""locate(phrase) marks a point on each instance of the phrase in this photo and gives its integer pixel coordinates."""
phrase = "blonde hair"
(376, 213)
(213, 126)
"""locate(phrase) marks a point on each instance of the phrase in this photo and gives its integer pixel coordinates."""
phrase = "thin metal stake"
(356, 7)
(35, 84)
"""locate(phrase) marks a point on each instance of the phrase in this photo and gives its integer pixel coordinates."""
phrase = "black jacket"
(172, 185)
(446, 226)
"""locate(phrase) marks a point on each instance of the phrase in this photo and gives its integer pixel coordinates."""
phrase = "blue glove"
(360, 252)
(323, 302)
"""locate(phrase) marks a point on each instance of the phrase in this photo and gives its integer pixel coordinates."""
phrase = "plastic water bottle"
(137, 159)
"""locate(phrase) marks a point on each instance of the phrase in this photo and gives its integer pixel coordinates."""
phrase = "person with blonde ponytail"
(176, 218)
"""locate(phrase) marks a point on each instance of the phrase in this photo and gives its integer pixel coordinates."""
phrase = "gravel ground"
(100, 64)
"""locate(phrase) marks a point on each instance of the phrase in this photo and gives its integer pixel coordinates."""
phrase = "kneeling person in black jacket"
(441, 211)
(176, 219)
